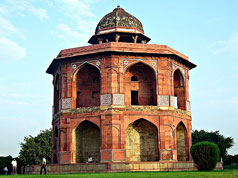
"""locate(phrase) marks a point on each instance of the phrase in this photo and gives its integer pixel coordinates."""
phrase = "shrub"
(205, 155)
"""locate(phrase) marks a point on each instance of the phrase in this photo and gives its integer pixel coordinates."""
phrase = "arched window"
(142, 92)
(88, 86)
(179, 90)
(134, 78)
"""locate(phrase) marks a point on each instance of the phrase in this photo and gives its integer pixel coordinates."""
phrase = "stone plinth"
(116, 167)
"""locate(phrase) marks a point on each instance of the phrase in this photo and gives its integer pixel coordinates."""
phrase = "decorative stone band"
(65, 103)
(115, 99)
(155, 109)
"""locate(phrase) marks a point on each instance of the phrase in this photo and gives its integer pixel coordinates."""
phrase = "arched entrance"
(181, 142)
(179, 90)
(88, 86)
(140, 85)
(88, 141)
(141, 141)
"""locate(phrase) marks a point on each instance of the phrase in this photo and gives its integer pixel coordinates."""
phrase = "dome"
(119, 26)
(119, 18)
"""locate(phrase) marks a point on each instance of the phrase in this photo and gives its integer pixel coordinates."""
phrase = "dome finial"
(118, 6)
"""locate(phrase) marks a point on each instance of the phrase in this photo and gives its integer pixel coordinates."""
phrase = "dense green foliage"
(188, 174)
(33, 149)
(5, 162)
(231, 166)
(205, 155)
(224, 143)
(231, 159)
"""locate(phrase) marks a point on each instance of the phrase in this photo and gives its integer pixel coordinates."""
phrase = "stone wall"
(117, 167)
(141, 141)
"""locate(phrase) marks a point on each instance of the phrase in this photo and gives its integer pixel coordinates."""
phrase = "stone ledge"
(117, 167)
(121, 108)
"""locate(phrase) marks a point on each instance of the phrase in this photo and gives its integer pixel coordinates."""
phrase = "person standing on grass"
(14, 166)
(5, 170)
(43, 166)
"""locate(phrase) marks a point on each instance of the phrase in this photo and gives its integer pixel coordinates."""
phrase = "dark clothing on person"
(43, 167)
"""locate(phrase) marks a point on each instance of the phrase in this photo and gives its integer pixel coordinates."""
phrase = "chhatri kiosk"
(121, 101)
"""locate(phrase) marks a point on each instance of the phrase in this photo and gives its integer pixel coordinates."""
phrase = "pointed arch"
(179, 89)
(142, 91)
(139, 61)
(87, 142)
(142, 141)
(86, 86)
(81, 66)
(181, 140)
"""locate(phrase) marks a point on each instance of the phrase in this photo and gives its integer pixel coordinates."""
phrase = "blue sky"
(32, 33)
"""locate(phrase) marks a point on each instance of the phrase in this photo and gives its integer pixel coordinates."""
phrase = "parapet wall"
(116, 167)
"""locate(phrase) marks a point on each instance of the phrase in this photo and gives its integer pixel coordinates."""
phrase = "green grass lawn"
(190, 174)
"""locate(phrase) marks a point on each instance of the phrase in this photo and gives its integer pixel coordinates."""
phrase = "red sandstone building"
(121, 99)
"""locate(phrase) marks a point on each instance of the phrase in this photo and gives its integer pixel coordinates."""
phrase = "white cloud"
(39, 12)
(76, 8)
(11, 50)
(82, 21)
(71, 37)
(228, 46)
(7, 28)
(68, 31)
(22, 6)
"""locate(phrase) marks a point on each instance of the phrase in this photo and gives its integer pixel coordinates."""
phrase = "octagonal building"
(120, 99)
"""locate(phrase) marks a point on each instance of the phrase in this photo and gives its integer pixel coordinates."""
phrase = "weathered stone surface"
(141, 141)
(181, 151)
(118, 17)
(87, 142)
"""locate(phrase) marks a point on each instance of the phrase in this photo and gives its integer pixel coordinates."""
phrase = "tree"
(33, 149)
(205, 154)
(224, 143)
(5, 162)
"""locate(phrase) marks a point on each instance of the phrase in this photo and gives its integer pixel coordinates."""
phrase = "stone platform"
(116, 167)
